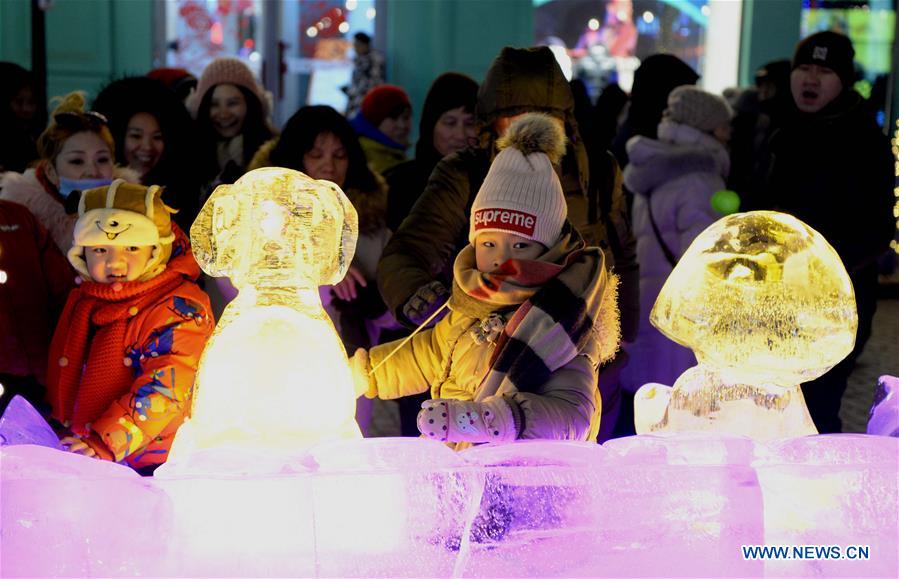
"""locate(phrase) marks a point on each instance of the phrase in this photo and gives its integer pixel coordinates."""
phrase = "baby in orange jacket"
(125, 352)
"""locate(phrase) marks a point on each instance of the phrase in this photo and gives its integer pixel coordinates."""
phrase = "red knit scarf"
(81, 389)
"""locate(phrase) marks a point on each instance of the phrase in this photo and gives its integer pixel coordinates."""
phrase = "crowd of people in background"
(635, 177)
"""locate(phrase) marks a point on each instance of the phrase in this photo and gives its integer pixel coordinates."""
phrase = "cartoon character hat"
(830, 49)
(123, 214)
(521, 193)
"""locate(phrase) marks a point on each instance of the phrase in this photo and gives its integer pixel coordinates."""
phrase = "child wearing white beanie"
(532, 314)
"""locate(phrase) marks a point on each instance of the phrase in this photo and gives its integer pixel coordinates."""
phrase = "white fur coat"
(25, 189)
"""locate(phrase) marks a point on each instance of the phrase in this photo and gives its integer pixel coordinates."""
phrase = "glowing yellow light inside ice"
(274, 376)
(277, 378)
(893, 243)
(761, 297)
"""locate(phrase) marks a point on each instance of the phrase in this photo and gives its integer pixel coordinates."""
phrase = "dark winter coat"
(424, 246)
(834, 171)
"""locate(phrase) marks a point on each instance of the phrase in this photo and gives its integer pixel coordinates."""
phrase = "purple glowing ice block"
(22, 424)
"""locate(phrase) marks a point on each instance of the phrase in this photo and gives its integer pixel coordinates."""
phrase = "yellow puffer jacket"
(380, 157)
(447, 357)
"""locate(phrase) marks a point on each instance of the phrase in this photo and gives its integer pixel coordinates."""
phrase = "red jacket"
(34, 284)
(161, 348)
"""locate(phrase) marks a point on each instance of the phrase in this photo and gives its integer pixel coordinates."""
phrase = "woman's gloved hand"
(459, 421)
(424, 302)
(363, 383)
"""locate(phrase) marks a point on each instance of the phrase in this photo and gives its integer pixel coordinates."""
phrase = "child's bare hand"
(347, 289)
(78, 446)
(362, 382)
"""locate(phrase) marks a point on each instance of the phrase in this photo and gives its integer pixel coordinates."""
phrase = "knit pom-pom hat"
(694, 107)
(521, 193)
(123, 214)
(226, 70)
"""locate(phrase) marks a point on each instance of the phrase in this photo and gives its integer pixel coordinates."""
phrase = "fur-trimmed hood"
(371, 206)
(25, 189)
(680, 150)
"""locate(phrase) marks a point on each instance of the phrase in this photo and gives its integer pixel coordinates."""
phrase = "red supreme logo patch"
(507, 219)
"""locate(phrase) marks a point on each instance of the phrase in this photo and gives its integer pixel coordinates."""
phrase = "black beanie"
(830, 49)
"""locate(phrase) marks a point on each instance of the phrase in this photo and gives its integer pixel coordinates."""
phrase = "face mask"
(66, 186)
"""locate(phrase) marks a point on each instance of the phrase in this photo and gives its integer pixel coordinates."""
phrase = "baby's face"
(112, 263)
(494, 248)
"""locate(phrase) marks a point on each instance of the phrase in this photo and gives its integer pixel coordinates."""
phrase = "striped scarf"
(564, 299)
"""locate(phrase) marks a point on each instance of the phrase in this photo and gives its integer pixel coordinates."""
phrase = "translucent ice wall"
(652, 505)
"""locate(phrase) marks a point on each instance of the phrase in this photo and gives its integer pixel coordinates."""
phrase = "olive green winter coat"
(423, 248)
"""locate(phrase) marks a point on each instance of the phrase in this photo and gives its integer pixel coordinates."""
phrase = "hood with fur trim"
(522, 80)
(680, 150)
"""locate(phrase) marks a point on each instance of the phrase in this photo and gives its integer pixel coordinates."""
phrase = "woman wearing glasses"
(77, 152)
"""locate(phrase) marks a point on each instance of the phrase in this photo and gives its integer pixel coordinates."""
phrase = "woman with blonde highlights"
(77, 152)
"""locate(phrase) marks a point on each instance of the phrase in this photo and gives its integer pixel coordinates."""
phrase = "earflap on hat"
(123, 214)
(521, 193)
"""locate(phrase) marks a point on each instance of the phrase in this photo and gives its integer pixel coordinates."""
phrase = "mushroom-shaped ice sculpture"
(274, 377)
(765, 304)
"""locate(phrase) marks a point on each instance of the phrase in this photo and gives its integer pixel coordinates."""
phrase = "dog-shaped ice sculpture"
(274, 377)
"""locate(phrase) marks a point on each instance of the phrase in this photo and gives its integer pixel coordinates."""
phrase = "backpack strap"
(669, 255)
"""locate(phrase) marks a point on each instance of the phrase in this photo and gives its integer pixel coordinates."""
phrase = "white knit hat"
(521, 193)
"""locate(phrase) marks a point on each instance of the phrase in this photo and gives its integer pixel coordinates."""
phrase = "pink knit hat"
(226, 70)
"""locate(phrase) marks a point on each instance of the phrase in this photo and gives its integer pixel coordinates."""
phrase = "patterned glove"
(424, 301)
(459, 421)
(363, 383)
